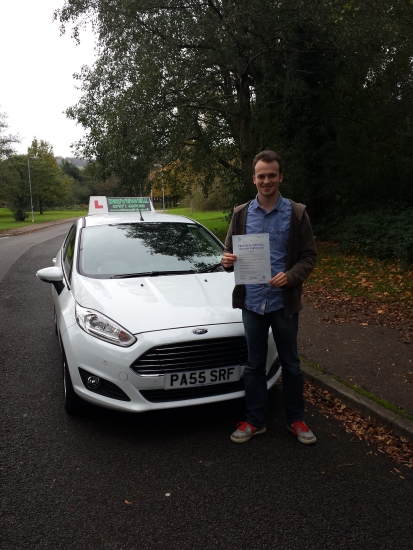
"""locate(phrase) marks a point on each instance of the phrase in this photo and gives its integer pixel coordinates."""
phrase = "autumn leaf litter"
(366, 429)
(368, 307)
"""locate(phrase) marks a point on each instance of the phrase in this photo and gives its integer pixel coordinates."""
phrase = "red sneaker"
(302, 431)
(245, 431)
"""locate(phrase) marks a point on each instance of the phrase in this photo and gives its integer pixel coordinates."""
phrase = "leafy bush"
(383, 233)
(199, 201)
(19, 213)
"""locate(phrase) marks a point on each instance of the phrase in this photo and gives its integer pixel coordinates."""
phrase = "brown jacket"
(301, 255)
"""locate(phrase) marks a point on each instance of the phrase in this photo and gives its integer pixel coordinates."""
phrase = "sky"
(36, 74)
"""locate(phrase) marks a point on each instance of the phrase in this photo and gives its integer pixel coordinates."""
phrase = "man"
(277, 303)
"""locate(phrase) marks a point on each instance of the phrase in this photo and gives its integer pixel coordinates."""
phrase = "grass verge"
(312, 364)
(383, 402)
(7, 221)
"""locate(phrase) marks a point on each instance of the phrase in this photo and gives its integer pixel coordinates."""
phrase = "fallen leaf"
(367, 429)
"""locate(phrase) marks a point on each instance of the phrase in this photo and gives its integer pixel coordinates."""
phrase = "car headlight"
(102, 327)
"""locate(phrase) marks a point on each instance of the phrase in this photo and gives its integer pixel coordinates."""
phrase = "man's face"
(267, 178)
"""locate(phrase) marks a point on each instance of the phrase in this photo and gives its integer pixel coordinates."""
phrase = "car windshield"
(147, 249)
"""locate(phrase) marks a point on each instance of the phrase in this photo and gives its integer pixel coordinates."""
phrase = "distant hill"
(80, 163)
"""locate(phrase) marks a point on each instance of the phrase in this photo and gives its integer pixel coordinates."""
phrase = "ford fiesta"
(143, 312)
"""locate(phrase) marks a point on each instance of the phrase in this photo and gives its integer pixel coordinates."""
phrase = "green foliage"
(14, 184)
(37, 172)
(49, 183)
(71, 170)
(198, 200)
(19, 213)
(86, 182)
(7, 141)
(202, 81)
(328, 84)
(383, 233)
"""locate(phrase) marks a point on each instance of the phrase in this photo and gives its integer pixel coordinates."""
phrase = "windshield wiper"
(152, 274)
(210, 268)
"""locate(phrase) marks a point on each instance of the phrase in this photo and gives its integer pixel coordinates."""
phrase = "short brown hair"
(268, 156)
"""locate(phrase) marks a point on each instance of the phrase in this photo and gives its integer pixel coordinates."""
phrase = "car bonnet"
(144, 304)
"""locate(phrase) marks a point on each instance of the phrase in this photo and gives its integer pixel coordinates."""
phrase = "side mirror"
(53, 275)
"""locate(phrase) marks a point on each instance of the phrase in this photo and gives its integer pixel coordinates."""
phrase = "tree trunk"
(246, 138)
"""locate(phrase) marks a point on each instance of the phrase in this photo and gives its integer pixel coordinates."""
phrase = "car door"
(64, 302)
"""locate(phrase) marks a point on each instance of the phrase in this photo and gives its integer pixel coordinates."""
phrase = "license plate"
(207, 377)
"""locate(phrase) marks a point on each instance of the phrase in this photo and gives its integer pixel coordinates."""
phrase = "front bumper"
(145, 392)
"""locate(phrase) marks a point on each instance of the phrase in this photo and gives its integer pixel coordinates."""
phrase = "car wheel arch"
(73, 404)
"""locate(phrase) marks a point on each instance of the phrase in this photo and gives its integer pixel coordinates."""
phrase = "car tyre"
(72, 402)
(55, 320)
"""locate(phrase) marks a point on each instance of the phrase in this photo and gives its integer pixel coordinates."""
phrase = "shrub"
(383, 233)
(199, 201)
(19, 213)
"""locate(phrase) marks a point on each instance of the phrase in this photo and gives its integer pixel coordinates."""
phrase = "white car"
(143, 312)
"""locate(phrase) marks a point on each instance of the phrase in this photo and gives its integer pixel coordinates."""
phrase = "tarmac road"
(12, 247)
(171, 479)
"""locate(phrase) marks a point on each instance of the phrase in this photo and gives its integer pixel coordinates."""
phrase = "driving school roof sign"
(104, 205)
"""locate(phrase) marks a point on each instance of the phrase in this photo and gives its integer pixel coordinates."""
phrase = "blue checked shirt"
(265, 298)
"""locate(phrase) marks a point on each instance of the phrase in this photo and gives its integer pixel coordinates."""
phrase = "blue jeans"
(284, 331)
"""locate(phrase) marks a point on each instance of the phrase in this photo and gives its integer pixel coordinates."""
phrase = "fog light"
(93, 382)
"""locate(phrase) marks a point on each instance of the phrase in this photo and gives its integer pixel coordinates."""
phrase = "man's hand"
(279, 280)
(228, 260)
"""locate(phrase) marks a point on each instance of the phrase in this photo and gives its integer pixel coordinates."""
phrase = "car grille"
(163, 396)
(190, 356)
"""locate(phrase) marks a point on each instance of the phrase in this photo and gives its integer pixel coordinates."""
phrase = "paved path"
(367, 356)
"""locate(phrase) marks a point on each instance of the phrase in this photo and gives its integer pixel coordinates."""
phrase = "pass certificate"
(253, 265)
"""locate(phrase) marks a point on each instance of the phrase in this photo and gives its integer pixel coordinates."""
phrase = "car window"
(68, 252)
(124, 249)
